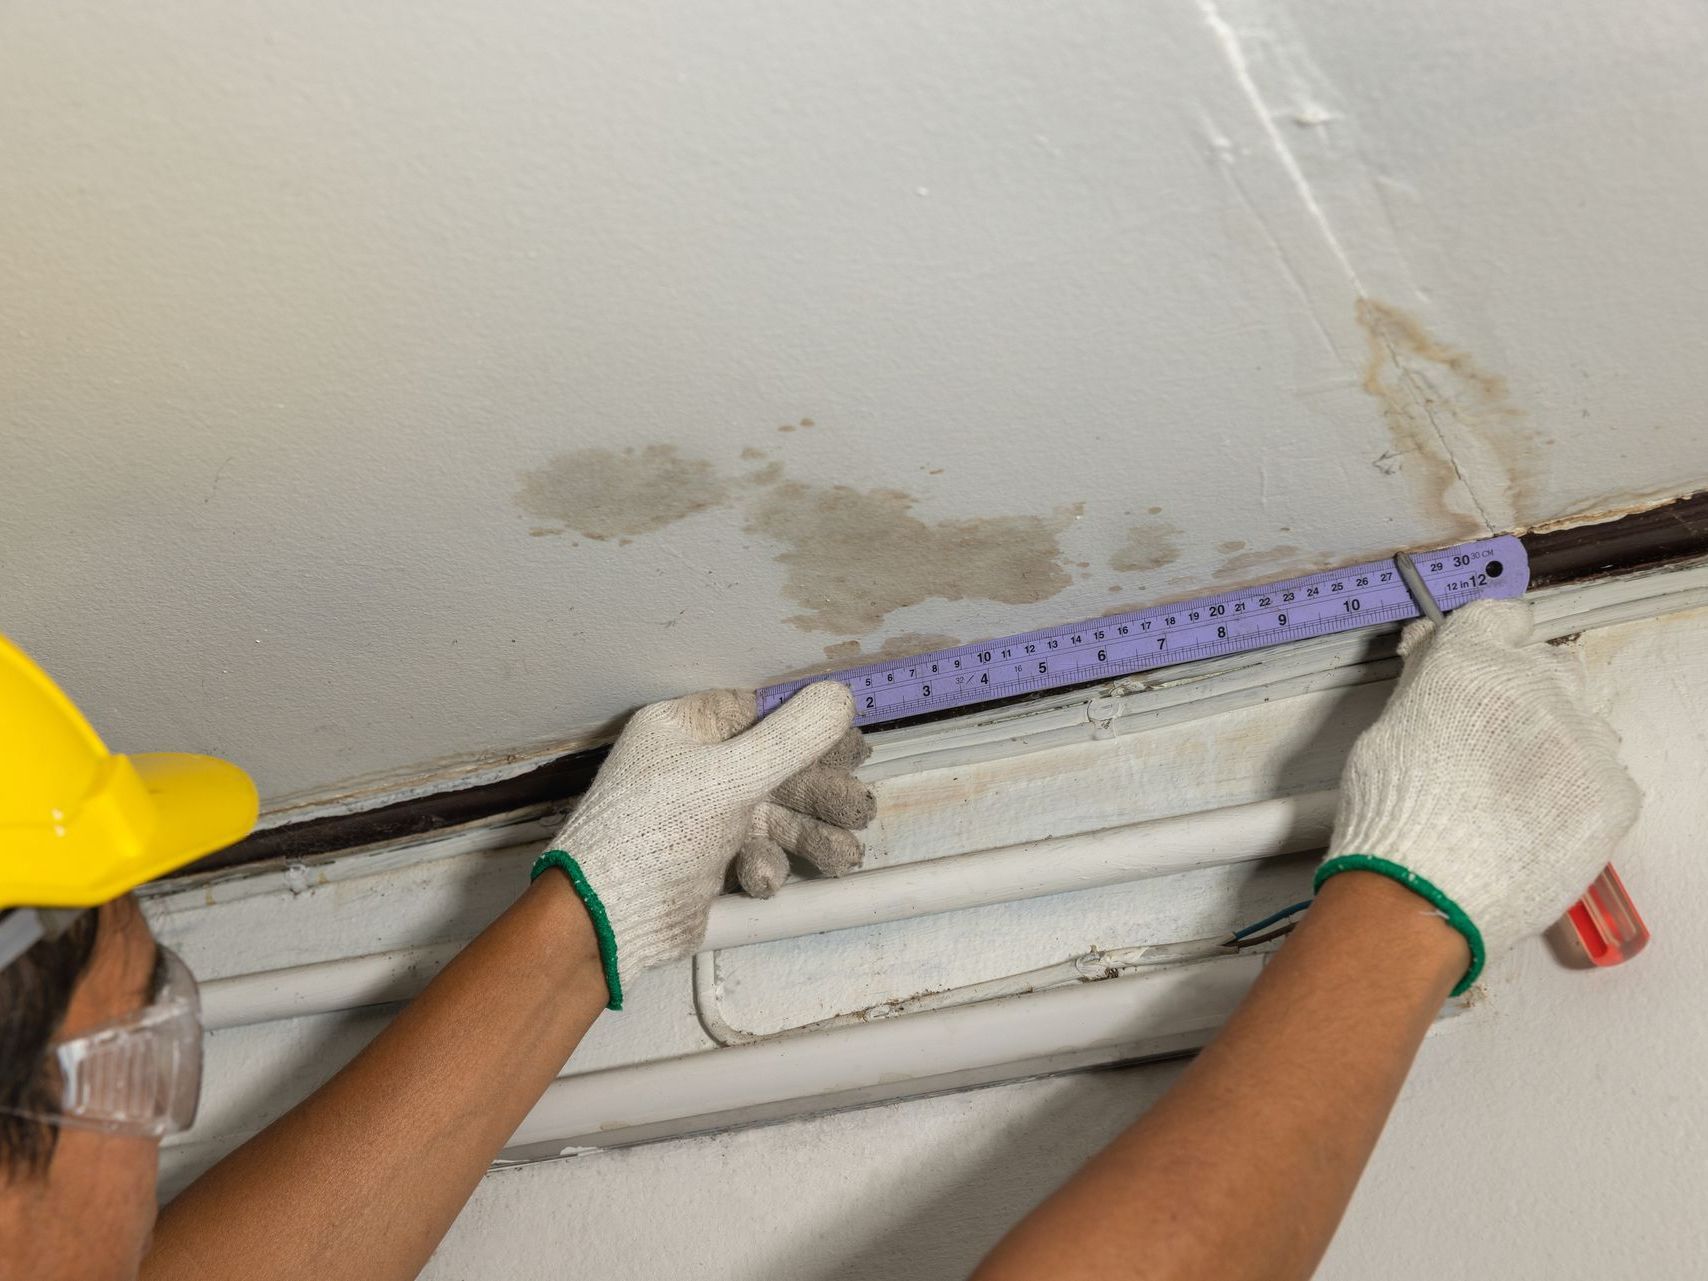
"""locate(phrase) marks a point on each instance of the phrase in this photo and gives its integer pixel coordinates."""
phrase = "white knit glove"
(1485, 786)
(683, 791)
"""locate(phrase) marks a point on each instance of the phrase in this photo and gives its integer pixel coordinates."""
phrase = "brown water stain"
(751, 454)
(604, 493)
(855, 555)
(1149, 547)
(904, 645)
(769, 474)
(853, 653)
(1233, 545)
(1436, 399)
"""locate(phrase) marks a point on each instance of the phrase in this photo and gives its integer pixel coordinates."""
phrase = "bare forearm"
(1244, 1169)
(364, 1177)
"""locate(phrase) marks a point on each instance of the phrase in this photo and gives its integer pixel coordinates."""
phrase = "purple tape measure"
(1209, 627)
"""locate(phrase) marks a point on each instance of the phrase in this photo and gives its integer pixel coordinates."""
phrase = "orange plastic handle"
(1607, 921)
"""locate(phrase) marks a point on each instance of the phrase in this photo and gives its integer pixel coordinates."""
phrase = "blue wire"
(1272, 918)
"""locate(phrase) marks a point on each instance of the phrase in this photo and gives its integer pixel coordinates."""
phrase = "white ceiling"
(401, 384)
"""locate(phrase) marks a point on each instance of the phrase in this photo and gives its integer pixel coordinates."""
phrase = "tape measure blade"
(1320, 604)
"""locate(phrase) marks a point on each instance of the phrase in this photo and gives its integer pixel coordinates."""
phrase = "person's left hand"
(689, 785)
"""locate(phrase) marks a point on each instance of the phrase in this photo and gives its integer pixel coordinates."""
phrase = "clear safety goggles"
(140, 1074)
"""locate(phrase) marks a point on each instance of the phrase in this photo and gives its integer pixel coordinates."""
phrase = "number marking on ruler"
(1209, 627)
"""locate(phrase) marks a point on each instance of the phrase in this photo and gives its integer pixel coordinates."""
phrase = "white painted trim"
(536, 823)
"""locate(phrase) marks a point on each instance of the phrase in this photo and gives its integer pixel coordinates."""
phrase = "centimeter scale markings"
(1208, 627)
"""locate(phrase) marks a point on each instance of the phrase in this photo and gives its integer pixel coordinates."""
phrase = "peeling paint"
(1149, 547)
(603, 493)
(854, 555)
(1606, 507)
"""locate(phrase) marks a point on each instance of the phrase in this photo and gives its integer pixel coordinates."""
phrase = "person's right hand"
(1485, 786)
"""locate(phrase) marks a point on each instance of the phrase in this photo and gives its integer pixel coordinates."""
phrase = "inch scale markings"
(1208, 627)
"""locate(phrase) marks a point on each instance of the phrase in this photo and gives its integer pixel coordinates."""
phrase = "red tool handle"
(1607, 921)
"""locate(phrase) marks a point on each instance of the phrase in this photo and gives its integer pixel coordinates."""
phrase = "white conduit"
(1031, 869)
(1166, 1011)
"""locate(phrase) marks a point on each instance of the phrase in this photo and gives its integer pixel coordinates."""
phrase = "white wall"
(324, 331)
(1560, 1132)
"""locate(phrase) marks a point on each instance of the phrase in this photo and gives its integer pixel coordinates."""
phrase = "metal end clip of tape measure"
(1101, 649)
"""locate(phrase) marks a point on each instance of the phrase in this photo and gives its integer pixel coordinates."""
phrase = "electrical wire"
(1239, 944)
(1269, 920)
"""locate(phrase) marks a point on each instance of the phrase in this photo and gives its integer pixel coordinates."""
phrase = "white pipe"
(1031, 869)
(345, 984)
(1054, 865)
(1166, 1011)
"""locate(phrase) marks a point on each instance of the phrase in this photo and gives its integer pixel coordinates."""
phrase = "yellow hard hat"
(79, 825)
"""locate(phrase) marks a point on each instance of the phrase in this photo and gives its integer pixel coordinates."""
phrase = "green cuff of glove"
(595, 909)
(1426, 890)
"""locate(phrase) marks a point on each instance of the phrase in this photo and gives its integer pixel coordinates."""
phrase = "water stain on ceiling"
(855, 555)
(1437, 400)
(1150, 545)
(852, 555)
(603, 493)
(902, 645)
(851, 653)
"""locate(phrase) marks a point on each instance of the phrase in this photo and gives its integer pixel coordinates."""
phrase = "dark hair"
(35, 990)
